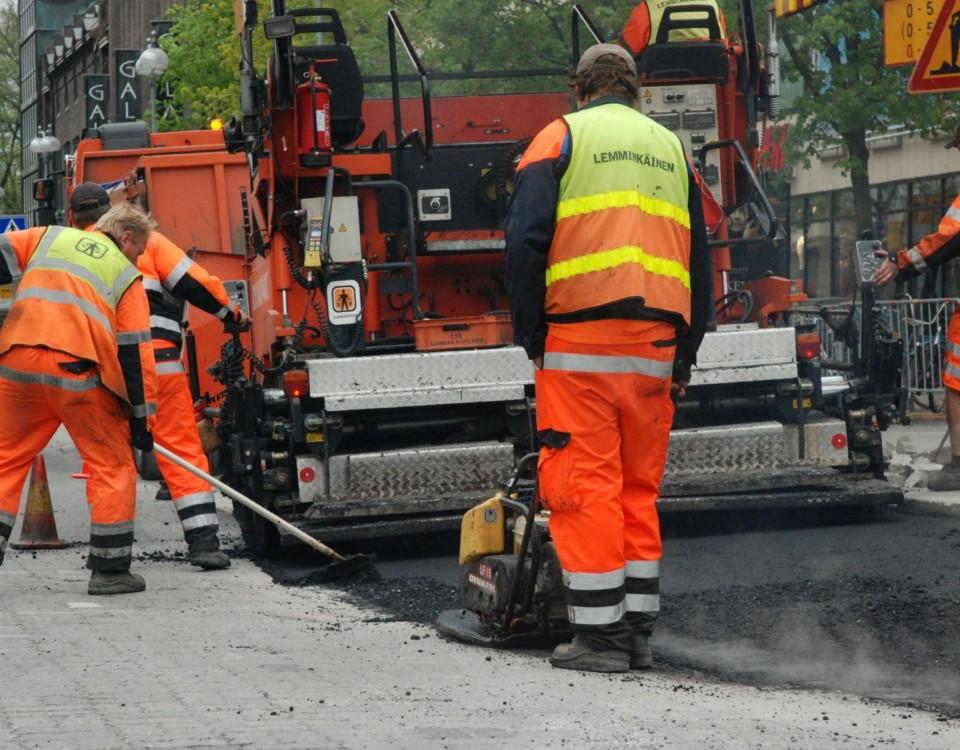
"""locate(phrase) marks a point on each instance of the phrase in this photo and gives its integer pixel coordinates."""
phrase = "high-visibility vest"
(622, 221)
(657, 8)
(67, 300)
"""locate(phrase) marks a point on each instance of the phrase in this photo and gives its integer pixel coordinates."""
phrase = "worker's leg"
(645, 426)
(949, 477)
(95, 419)
(580, 483)
(27, 422)
(176, 429)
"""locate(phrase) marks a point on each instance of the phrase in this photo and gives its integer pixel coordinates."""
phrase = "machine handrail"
(579, 16)
(395, 28)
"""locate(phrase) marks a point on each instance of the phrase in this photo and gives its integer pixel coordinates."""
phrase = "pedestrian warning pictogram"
(344, 299)
(938, 67)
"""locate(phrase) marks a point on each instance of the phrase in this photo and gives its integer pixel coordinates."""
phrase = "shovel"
(341, 566)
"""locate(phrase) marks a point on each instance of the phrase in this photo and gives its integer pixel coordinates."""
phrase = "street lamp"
(153, 61)
(43, 145)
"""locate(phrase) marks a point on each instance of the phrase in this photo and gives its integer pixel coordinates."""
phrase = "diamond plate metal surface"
(421, 379)
(751, 447)
(746, 356)
(421, 473)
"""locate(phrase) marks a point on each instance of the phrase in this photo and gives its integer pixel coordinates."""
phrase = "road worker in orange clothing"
(932, 251)
(608, 272)
(644, 23)
(75, 350)
(170, 277)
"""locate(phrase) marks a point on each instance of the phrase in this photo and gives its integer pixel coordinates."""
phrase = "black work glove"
(141, 437)
(681, 377)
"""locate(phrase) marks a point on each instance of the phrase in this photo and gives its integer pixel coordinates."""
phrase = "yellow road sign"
(938, 67)
(906, 27)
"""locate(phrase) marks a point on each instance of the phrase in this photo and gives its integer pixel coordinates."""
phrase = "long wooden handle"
(246, 501)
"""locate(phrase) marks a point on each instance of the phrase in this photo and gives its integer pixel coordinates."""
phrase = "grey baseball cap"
(590, 57)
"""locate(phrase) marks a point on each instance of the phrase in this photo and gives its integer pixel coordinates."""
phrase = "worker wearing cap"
(608, 272)
(644, 23)
(75, 350)
(934, 250)
(170, 278)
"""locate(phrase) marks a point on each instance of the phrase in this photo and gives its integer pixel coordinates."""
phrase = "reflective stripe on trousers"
(197, 511)
(111, 546)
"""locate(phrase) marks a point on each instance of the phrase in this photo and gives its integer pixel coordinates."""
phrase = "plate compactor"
(511, 586)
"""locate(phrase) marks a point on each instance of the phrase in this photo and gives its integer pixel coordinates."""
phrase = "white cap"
(589, 58)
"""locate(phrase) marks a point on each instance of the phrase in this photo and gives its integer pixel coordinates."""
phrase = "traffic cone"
(39, 530)
(84, 473)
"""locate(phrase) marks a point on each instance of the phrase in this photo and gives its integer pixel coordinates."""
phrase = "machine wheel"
(259, 535)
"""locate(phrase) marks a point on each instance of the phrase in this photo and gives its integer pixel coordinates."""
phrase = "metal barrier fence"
(921, 323)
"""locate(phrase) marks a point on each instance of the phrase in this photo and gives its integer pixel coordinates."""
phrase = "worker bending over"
(75, 350)
(608, 273)
(932, 251)
(171, 278)
(642, 27)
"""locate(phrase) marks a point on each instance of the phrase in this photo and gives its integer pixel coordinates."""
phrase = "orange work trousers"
(604, 413)
(176, 429)
(951, 358)
(36, 396)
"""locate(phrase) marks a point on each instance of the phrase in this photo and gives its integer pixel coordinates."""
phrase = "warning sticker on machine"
(343, 302)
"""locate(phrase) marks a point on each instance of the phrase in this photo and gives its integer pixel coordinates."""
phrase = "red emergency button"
(307, 474)
(839, 441)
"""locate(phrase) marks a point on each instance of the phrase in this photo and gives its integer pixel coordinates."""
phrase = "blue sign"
(12, 223)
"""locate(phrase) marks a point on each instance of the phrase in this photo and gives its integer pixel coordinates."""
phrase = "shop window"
(843, 204)
(816, 259)
(818, 207)
(892, 197)
(844, 239)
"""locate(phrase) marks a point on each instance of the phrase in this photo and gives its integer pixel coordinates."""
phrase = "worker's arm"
(136, 358)
(636, 31)
(701, 280)
(15, 250)
(933, 250)
(529, 232)
(190, 281)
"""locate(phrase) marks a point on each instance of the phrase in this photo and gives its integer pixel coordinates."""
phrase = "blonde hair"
(125, 217)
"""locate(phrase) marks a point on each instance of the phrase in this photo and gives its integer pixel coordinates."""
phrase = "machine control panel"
(690, 112)
(237, 292)
(870, 256)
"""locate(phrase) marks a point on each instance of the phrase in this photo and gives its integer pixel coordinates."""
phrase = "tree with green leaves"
(836, 51)
(10, 136)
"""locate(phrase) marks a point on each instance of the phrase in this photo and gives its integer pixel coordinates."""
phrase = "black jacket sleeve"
(701, 286)
(529, 232)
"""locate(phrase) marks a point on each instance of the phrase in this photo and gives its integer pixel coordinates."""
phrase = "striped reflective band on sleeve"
(654, 368)
(954, 213)
(913, 254)
(170, 368)
(952, 370)
(618, 256)
(143, 410)
(65, 298)
(623, 199)
(133, 337)
(953, 349)
(595, 598)
(124, 279)
(159, 321)
(643, 586)
(10, 258)
(223, 312)
(152, 285)
(40, 378)
(178, 272)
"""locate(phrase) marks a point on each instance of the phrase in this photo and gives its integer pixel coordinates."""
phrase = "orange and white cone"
(39, 530)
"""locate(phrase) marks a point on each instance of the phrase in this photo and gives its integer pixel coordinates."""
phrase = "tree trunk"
(856, 142)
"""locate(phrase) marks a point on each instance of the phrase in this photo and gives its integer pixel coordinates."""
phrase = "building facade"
(65, 44)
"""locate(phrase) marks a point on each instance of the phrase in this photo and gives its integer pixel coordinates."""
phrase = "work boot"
(163, 493)
(578, 655)
(214, 559)
(103, 582)
(641, 657)
(945, 480)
